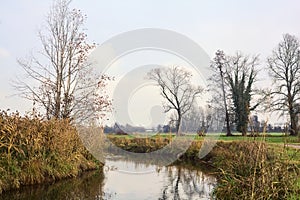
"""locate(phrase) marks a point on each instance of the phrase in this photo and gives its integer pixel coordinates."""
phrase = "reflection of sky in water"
(156, 182)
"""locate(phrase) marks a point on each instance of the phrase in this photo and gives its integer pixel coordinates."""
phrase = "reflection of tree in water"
(184, 183)
(182, 180)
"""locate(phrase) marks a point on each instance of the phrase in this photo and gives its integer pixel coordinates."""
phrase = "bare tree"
(240, 76)
(61, 81)
(193, 119)
(233, 81)
(176, 88)
(199, 119)
(284, 67)
(219, 66)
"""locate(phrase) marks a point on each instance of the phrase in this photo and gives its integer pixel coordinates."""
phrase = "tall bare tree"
(176, 88)
(219, 66)
(233, 82)
(284, 67)
(61, 81)
(240, 76)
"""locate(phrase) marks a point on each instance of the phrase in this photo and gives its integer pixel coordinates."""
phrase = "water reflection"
(186, 184)
(149, 182)
(88, 186)
(173, 182)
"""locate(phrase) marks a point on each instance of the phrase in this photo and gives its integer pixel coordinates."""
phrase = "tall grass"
(33, 150)
(251, 170)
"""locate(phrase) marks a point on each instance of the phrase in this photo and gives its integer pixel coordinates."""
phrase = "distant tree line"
(123, 129)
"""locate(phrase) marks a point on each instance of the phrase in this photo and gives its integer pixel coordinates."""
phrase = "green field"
(269, 138)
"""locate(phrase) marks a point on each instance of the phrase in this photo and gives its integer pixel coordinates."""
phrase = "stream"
(125, 180)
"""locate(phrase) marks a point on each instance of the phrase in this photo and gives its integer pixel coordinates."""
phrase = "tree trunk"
(244, 130)
(58, 95)
(228, 130)
(294, 128)
(178, 123)
(293, 118)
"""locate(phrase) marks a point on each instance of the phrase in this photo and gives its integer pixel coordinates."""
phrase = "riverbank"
(35, 151)
(244, 169)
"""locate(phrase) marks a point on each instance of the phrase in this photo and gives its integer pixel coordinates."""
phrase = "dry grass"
(33, 150)
(251, 170)
(140, 145)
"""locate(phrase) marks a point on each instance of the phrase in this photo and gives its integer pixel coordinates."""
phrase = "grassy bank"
(34, 151)
(244, 169)
(256, 170)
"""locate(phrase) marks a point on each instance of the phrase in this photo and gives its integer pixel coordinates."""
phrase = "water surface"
(126, 180)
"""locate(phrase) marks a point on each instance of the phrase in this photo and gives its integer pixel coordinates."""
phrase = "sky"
(252, 27)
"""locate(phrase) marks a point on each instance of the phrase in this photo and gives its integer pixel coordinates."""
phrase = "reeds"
(251, 170)
(33, 150)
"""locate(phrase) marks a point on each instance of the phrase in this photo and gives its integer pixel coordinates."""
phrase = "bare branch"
(284, 67)
(176, 89)
(64, 84)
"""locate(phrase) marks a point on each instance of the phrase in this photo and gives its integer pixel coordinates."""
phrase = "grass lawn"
(269, 138)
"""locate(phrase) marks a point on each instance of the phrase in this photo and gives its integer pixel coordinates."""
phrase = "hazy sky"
(253, 27)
